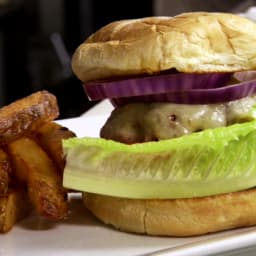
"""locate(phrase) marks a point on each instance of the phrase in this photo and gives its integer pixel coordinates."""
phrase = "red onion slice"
(196, 96)
(156, 84)
(243, 76)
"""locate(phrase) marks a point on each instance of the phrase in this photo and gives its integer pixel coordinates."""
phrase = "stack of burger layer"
(177, 155)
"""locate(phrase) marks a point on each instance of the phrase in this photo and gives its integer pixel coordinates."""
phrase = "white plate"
(82, 234)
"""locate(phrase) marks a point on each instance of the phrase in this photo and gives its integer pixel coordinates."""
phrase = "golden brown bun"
(190, 42)
(177, 217)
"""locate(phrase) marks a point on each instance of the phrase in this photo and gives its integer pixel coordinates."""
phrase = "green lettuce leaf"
(210, 162)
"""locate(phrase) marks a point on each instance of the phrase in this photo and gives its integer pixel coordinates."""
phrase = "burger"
(177, 156)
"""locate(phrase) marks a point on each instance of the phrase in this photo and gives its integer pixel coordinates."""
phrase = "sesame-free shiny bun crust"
(176, 217)
(191, 42)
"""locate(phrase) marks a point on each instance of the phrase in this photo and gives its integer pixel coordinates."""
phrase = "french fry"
(50, 137)
(5, 168)
(26, 114)
(14, 206)
(33, 166)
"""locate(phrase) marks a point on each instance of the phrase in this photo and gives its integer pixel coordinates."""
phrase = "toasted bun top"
(190, 42)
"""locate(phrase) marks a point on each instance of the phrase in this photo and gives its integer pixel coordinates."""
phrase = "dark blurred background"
(38, 37)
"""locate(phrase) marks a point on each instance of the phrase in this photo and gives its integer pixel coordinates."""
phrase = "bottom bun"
(176, 217)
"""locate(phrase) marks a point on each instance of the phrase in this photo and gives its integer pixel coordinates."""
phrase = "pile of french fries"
(31, 160)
